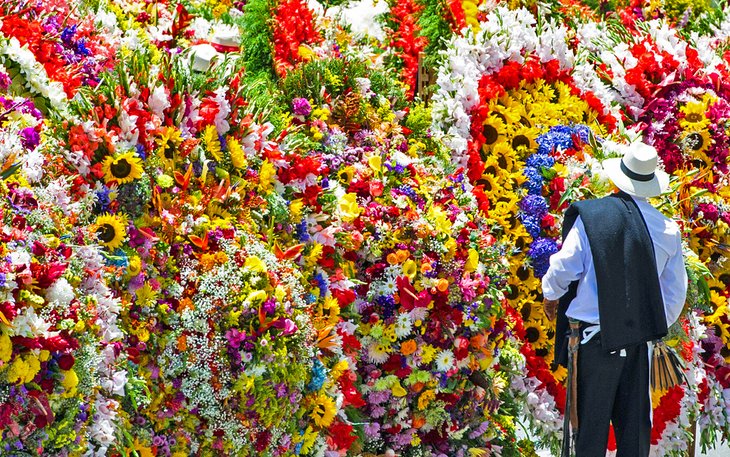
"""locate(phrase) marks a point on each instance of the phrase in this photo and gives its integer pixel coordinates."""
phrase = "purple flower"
(540, 251)
(29, 138)
(235, 338)
(301, 107)
(5, 81)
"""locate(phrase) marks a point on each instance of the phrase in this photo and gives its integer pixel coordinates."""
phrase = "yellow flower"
(410, 268)
(110, 230)
(146, 295)
(694, 116)
(324, 411)
(472, 262)
(135, 266)
(266, 174)
(398, 390)
(69, 382)
(213, 145)
(6, 347)
(375, 162)
(349, 209)
(17, 371)
(295, 208)
(425, 398)
(427, 354)
(256, 296)
(255, 264)
(238, 157)
(123, 168)
(440, 220)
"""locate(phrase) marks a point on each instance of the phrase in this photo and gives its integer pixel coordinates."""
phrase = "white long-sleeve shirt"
(574, 262)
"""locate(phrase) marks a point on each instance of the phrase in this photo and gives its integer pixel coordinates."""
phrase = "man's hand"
(550, 307)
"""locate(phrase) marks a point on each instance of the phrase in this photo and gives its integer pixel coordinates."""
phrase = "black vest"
(630, 304)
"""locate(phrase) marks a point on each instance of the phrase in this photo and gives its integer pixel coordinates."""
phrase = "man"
(620, 274)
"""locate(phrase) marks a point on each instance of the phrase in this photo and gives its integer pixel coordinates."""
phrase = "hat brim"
(647, 189)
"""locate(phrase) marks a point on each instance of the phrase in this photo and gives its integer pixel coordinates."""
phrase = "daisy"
(444, 360)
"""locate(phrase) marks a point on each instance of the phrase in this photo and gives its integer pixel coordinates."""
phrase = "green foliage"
(263, 99)
(435, 27)
(337, 76)
(258, 53)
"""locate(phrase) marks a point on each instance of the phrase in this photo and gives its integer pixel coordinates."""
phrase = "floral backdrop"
(257, 229)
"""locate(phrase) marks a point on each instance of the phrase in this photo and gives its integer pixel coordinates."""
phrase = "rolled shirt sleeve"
(673, 281)
(566, 265)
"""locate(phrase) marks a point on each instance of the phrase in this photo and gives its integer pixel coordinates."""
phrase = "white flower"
(403, 325)
(60, 292)
(159, 101)
(377, 354)
(33, 165)
(30, 325)
(445, 360)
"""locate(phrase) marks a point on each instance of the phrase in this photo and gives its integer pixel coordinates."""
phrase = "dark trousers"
(614, 389)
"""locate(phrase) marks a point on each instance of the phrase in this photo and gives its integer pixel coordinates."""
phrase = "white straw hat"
(636, 172)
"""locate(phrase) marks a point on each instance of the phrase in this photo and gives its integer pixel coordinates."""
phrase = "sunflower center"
(524, 121)
(532, 334)
(523, 273)
(695, 141)
(512, 294)
(169, 151)
(526, 311)
(106, 233)
(490, 134)
(502, 161)
(693, 117)
(520, 140)
(121, 168)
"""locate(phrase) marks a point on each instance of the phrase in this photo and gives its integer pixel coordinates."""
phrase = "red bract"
(293, 26)
(406, 40)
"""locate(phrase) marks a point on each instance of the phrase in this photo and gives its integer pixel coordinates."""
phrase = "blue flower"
(534, 181)
(540, 251)
(540, 161)
(318, 376)
(532, 225)
(534, 205)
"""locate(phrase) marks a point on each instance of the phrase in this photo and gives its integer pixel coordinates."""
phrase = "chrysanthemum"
(444, 360)
(377, 353)
(123, 168)
(110, 230)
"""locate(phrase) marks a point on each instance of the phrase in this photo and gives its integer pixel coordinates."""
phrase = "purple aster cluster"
(540, 251)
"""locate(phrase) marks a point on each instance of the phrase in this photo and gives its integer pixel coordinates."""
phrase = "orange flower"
(408, 347)
(182, 343)
(392, 258)
(442, 285)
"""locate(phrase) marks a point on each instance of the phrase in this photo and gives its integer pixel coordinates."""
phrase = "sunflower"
(168, 142)
(560, 373)
(324, 411)
(536, 335)
(110, 230)
(697, 143)
(694, 116)
(493, 129)
(523, 138)
(123, 168)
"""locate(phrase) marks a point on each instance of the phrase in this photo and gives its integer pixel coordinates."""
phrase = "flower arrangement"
(281, 253)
